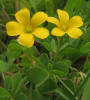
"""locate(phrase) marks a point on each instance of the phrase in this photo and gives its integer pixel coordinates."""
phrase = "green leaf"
(14, 51)
(87, 66)
(70, 85)
(34, 51)
(28, 51)
(69, 51)
(3, 66)
(74, 7)
(86, 12)
(41, 5)
(62, 66)
(4, 94)
(88, 34)
(44, 59)
(7, 82)
(58, 73)
(85, 49)
(37, 96)
(59, 91)
(47, 46)
(86, 93)
(50, 7)
(72, 53)
(59, 4)
(60, 97)
(21, 96)
(48, 86)
(37, 75)
(38, 63)
(17, 83)
(33, 3)
(53, 45)
(25, 62)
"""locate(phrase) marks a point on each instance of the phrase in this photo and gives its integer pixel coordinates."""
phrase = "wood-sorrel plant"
(49, 58)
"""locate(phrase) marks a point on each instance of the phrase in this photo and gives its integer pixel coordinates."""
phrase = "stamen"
(28, 29)
(64, 27)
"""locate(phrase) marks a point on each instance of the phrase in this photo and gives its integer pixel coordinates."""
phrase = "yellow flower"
(66, 25)
(26, 28)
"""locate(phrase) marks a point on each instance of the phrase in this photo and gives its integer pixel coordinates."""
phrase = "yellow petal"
(75, 21)
(26, 40)
(13, 28)
(57, 32)
(41, 33)
(38, 19)
(74, 33)
(54, 21)
(23, 16)
(63, 16)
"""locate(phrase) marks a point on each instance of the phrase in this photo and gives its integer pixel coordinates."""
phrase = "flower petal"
(26, 40)
(23, 16)
(13, 28)
(54, 21)
(63, 16)
(38, 19)
(74, 33)
(41, 33)
(57, 32)
(75, 21)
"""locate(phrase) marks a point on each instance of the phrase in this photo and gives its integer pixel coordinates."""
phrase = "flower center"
(28, 29)
(64, 27)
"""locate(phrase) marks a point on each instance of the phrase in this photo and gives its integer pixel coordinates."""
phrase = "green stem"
(57, 50)
(65, 86)
(74, 69)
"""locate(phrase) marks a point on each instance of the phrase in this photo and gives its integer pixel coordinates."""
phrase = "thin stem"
(74, 69)
(66, 86)
(57, 50)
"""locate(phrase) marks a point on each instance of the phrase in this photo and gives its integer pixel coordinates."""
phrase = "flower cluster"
(26, 27)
